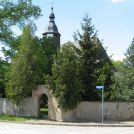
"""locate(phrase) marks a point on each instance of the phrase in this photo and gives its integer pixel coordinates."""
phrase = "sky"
(113, 19)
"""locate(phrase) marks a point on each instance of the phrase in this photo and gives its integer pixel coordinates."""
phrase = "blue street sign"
(99, 87)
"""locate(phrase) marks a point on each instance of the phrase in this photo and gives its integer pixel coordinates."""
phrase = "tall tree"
(64, 82)
(129, 67)
(93, 59)
(123, 86)
(50, 48)
(120, 87)
(129, 61)
(26, 70)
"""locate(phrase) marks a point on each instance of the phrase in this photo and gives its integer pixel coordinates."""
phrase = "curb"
(34, 122)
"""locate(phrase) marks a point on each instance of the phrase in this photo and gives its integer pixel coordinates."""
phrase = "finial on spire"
(52, 16)
(52, 9)
(52, 3)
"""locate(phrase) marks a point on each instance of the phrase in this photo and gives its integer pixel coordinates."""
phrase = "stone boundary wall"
(85, 111)
(28, 107)
(91, 111)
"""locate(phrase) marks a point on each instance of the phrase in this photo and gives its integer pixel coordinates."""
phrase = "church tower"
(52, 30)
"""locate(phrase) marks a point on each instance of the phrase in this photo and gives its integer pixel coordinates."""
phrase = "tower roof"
(51, 28)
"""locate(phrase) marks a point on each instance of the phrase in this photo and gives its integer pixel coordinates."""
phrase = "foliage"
(18, 13)
(26, 70)
(43, 101)
(64, 82)
(105, 68)
(49, 48)
(94, 64)
(124, 77)
(129, 61)
(77, 71)
(3, 69)
(123, 86)
(10, 52)
(120, 87)
(15, 13)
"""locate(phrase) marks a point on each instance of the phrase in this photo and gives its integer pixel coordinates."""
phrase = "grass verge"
(14, 118)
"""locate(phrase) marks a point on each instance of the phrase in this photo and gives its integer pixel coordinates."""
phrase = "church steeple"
(52, 16)
(52, 30)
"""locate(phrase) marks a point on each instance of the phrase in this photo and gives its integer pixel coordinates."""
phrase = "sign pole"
(102, 105)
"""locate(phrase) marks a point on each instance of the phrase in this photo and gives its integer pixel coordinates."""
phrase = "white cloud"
(117, 1)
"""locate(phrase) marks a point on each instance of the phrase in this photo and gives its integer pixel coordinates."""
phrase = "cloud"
(118, 1)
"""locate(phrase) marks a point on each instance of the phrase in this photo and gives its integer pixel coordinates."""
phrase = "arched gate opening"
(43, 103)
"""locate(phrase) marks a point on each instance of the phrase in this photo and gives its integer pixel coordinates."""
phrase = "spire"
(52, 16)
(52, 30)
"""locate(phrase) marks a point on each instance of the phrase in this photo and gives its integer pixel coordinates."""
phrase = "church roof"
(51, 28)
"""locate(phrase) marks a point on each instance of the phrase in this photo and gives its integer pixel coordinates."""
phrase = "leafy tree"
(50, 48)
(26, 70)
(105, 67)
(18, 13)
(3, 70)
(76, 71)
(129, 71)
(15, 13)
(120, 87)
(93, 61)
(10, 52)
(64, 82)
(129, 61)
(123, 86)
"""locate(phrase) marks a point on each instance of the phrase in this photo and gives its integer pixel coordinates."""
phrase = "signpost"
(102, 89)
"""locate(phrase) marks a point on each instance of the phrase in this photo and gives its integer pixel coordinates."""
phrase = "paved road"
(14, 128)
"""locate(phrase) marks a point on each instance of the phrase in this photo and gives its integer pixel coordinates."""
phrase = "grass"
(43, 112)
(14, 118)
